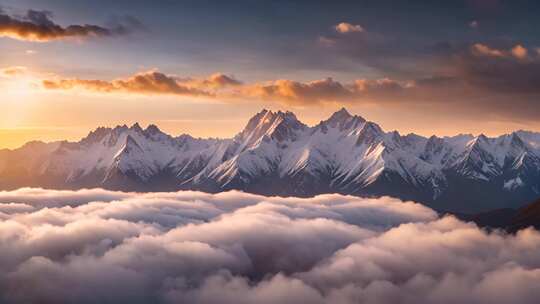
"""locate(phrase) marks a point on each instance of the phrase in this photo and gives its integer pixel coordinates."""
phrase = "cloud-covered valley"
(98, 246)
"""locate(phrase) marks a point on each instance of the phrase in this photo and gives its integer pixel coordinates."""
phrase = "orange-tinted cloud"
(345, 27)
(225, 87)
(150, 82)
(484, 50)
(298, 92)
(517, 51)
(38, 26)
(143, 83)
(482, 78)
(13, 71)
(214, 81)
(321, 91)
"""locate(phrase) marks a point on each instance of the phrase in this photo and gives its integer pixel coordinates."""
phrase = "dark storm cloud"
(384, 53)
(38, 26)
(515, 70)
(97, 246)
(503, 81)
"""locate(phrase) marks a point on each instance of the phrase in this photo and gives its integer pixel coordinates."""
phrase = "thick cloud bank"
(97, 246)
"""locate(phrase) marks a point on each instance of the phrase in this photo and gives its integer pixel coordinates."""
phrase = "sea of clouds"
(98, 246)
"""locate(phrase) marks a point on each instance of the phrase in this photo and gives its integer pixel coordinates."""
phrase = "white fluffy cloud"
(98, 246)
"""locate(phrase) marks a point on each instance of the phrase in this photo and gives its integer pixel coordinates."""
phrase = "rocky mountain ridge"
(276, 154)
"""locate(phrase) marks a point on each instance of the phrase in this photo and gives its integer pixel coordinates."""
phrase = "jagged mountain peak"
(136, 127)
(516, 140)
(343, 120)
(340, 114)
(481, 139)
(276, 125)
(276, 154)
(112, 135)
(433, 146)
(478, 143)
(152, 129)
(370, 133)
(343, 114)
(268, 115)
(96, 135)
(120, 128)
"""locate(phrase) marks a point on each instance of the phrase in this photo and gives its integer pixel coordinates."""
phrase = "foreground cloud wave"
(98, 246)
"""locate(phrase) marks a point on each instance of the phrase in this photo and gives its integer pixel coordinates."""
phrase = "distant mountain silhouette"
(508, 219)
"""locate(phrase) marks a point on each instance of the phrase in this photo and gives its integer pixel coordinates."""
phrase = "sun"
(19, 89)
(17, 99)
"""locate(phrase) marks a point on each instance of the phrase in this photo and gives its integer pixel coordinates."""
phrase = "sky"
(205, 67)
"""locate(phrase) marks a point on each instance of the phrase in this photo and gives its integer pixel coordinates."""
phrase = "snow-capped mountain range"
(276, 154)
